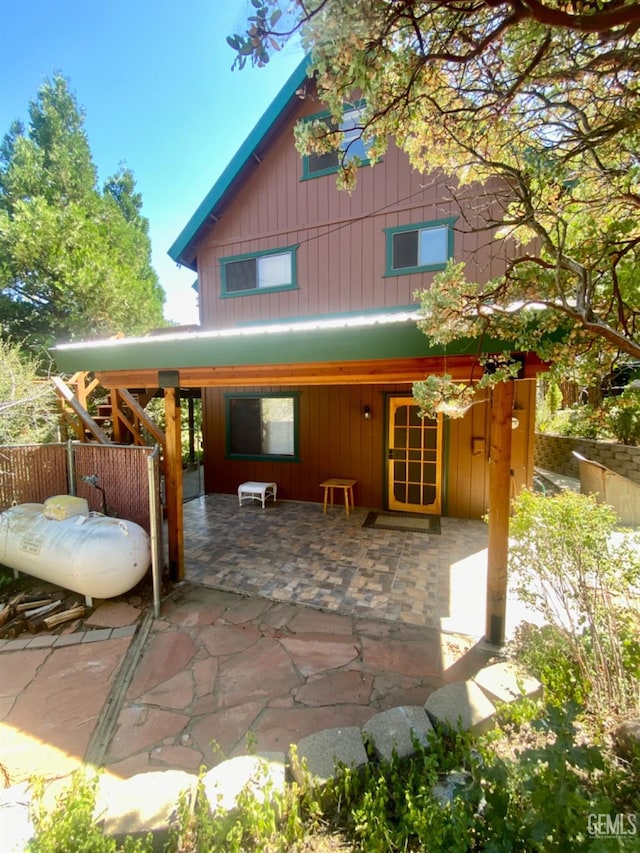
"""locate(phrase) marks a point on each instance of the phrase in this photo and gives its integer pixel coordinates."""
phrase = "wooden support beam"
(173, 483)
(139, 413)
(116, 430)
(370, 372)
(499, 511)
(192, 443)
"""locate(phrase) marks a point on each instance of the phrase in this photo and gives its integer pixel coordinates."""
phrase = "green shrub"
(72, 827)
(568, 569)
(28, 409)
(533, 796)
(547, 654)
(551, 403)
(622, 416)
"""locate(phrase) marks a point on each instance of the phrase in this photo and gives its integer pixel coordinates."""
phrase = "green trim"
(242, 158)
(449, 222)
(307, 173)
(228, 294)
(292, 395)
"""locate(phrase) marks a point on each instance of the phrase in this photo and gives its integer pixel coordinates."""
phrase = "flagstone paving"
(290, 621)
(252, 674)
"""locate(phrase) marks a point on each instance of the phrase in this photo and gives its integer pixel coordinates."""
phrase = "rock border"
(148, 800)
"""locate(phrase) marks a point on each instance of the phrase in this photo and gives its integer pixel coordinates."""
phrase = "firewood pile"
(34, 611)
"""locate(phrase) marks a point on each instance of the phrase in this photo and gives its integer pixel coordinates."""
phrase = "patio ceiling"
(369, 348)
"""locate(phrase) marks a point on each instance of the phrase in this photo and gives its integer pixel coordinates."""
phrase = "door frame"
(436, 507)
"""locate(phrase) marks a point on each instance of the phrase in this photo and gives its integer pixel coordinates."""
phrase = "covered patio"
(349, 359)
(292, 552)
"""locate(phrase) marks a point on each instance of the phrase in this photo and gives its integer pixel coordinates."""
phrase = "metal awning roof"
(382, 346)
(339, 338)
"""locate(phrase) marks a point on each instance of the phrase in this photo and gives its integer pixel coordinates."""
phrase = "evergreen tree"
(74, 262)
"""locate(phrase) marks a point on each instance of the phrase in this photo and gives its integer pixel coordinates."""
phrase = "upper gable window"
(315, 165)
(259, 271)
(419, 247)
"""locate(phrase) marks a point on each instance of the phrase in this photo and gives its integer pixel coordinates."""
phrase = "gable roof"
(247, 158)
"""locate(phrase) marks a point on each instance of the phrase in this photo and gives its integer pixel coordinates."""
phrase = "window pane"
(240, 275)
(433, 246)
(319, 162)
(262, 426)
(405, 250)
(274, 270)
(277, 426)
(244, 425)
(351, 140)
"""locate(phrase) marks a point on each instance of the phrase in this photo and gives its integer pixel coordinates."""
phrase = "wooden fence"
(32, 473)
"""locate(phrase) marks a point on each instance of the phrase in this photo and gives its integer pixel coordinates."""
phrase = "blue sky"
(154, 78)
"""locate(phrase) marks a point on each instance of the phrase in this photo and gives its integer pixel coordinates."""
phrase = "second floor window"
(258, 271)
(421, 247)
(351, 144)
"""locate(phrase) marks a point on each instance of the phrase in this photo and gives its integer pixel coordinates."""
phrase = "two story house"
(308, 346)
(318, 286)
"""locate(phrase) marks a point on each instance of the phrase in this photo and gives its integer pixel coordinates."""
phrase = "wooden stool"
(256, 491)
(347, 488)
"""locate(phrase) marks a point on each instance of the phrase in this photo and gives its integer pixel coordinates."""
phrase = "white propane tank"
(97, 556)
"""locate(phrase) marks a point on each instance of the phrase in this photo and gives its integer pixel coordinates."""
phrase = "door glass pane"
(414, 419)
(400, 492)
(401, 415)
(428, 495)
(399, 471)
(414, 493)
(400, 437)
(415, 472)
(415, 437)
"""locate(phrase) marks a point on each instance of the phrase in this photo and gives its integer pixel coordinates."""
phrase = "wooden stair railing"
(71, 405)
(139, 418)
(125, 415)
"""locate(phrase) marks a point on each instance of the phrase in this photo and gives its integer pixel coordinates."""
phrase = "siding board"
(336, 441)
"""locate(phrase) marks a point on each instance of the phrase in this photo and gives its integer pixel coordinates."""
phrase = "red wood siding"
(341, 255)
(336, 441)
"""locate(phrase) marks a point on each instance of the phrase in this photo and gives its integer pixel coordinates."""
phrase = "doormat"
(404, 522)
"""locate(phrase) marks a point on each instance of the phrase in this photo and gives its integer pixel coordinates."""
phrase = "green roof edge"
(237, 163)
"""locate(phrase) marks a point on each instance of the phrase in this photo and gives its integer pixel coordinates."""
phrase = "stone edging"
(470, 704)
(55, 641)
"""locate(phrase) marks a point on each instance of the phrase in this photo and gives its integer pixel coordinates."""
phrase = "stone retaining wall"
(555, 453)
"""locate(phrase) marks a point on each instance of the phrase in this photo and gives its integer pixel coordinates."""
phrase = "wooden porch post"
(499, 510)
(173, 483)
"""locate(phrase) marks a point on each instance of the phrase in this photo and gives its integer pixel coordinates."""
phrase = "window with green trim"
(351, 144)
(419, 247)
(262, 426)
(257, 271)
